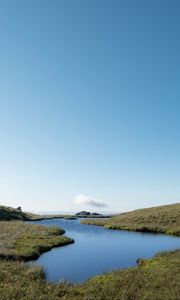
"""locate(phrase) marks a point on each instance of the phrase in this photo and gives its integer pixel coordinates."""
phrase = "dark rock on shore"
(87, 214)
(83, 213)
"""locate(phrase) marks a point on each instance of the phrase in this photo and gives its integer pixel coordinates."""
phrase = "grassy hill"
(9, 213)
(160, 219)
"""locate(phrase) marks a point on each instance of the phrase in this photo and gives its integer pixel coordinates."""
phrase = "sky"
(89, 104)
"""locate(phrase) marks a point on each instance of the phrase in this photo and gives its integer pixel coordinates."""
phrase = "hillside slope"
(10, 214)
(162, 219)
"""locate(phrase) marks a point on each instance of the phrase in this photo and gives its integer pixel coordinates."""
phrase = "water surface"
(97, 250)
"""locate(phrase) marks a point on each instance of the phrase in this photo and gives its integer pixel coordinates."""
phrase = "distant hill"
(165, 219)
(9, 213)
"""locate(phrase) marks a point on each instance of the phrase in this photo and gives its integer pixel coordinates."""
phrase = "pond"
(97, 250)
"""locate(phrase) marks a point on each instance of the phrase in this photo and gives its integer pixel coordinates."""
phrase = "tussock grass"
(154, 279)
(19, 281)
(160, 219)
(19, 240)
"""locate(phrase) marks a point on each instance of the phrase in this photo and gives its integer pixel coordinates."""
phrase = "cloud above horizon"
(85, 200)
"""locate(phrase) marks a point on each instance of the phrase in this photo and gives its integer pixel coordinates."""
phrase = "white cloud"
(85, 200)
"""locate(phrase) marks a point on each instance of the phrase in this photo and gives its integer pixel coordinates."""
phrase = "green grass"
(160, 219)
(154, 279)
(19, 240)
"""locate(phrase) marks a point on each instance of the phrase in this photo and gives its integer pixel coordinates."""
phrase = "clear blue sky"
(89, 103)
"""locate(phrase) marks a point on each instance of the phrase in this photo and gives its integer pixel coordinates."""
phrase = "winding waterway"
(97, 250)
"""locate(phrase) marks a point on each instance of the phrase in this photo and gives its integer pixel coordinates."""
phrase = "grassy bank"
(160, 219)
(19, 240)
(156, 279)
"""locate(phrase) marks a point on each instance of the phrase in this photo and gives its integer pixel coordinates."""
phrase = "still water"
(97, 250)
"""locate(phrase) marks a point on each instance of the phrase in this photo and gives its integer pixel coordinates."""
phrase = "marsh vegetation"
(19, 240)
(156, 279)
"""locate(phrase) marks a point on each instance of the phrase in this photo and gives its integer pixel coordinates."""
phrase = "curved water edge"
(97, 250)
